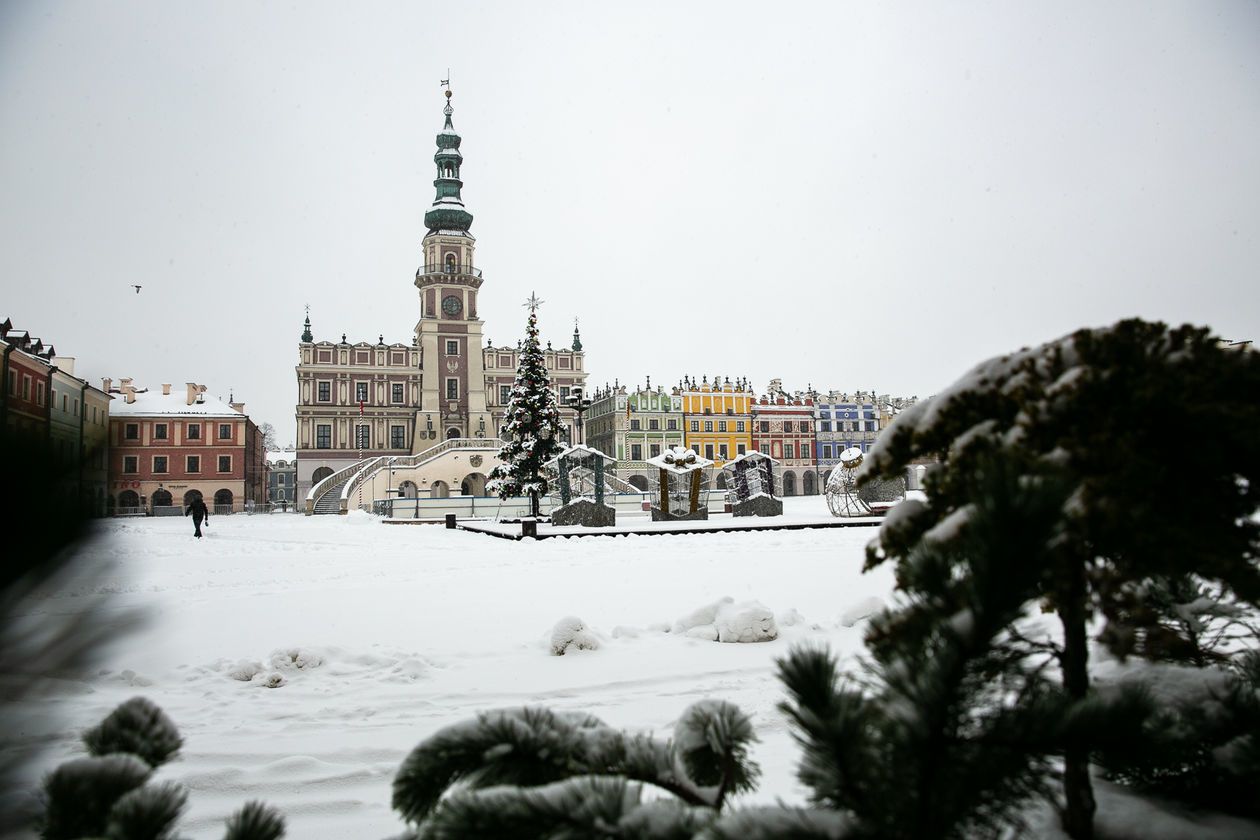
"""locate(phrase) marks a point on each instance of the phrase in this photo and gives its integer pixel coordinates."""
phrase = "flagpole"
(358, 437)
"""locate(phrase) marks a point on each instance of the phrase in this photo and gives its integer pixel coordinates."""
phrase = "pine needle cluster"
(109, 794)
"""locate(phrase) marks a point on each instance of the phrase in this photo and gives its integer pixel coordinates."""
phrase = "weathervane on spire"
(533, 303)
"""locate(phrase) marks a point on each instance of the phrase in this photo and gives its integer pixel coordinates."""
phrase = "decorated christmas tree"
(531, 425)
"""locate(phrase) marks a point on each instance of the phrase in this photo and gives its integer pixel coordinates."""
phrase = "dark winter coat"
(198, 510)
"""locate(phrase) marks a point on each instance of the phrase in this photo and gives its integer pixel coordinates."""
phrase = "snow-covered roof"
(578, 451)
(678, 460)
(149, 403)
(289, 456)
(754, 455)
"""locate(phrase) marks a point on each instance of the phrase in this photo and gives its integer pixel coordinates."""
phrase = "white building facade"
(362, 400)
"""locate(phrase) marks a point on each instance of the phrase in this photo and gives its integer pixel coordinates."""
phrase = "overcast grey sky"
(852, 195)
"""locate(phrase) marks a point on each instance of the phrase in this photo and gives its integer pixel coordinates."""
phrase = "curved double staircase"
(332, 494)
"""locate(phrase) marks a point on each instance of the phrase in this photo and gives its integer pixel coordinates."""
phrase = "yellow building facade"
(717, 418)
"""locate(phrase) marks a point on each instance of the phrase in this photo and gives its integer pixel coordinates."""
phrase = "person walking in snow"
(199, 512)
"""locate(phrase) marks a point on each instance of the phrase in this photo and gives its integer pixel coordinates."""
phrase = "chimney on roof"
(166, 389)
(128, 390)
(194, 391)
(238, 407)
(123, 383)
(106, 384)
(66, 364)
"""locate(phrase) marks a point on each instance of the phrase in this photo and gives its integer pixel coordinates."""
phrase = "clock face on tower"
(451, 305)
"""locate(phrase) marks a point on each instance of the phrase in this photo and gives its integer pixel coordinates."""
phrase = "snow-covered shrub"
(701, 616)
(1202, 747)
(726, 621)
(571, 632)
(296, 659)
(107, 794)
(138, 727)
(864, 608)
(80, 794)
(747, 622)
(246, 670)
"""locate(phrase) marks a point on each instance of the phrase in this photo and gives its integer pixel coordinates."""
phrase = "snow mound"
(245, 670)
(792, 617)
(295, 659)
(864, 608)
(131, 678)
(726, 621)
(571, 632)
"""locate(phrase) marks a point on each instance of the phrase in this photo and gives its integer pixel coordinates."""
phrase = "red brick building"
(168, 448)
(783, 428)
(27, 365)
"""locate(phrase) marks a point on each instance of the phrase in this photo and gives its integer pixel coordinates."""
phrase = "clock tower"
(452, 394)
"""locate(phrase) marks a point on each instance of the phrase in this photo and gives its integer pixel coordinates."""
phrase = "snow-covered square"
(303, 657)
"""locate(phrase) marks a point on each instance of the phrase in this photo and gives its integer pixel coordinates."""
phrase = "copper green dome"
(448, 213)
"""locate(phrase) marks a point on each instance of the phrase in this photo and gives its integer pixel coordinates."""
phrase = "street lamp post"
(579, 404)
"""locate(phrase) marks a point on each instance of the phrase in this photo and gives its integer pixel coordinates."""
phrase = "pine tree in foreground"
(1092, 407)
(536, 773)
(108, 795)
(531, 427)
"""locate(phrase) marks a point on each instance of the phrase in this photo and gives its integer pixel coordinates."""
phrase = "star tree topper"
(533, 303)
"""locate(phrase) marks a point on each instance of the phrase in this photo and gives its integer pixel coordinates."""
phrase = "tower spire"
(448, 213)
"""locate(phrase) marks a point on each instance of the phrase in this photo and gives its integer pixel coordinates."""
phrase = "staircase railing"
(329, 482)
(402, 462)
